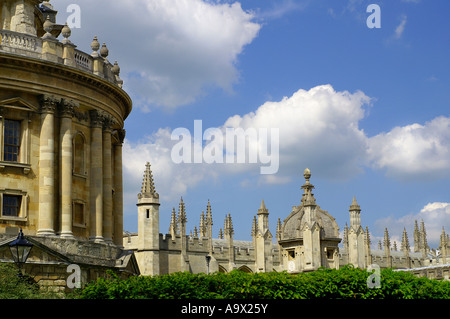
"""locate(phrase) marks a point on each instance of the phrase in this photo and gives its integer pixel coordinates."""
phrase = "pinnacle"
(148, 186)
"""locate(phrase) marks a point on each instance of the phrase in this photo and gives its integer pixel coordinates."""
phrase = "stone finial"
(116, 69)
(95, 46)
(307, 174)
(308, 196)
(48, 27)
(66, 32)
(104, 52)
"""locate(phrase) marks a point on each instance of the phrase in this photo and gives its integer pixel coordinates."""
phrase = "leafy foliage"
(345, 283)
(14, 287)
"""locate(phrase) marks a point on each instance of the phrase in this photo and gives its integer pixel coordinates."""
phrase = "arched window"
(79, 158)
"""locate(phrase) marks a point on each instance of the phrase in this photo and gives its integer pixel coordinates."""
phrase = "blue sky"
(367, 110)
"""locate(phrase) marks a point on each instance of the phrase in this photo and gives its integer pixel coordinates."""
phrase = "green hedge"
(345, 283)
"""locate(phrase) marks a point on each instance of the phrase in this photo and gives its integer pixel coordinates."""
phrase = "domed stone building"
(309, 236)
(62, 114)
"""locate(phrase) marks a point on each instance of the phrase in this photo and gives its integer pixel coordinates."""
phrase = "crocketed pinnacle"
(148, 186)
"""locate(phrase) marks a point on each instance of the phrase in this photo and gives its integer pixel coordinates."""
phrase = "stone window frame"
(23, 211)
(16, 110)
(83, 204)
(83, 171)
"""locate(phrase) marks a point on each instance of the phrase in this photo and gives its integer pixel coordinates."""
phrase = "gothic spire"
(148, 186)
(405, 241)
(182, 213)
(209, 219)
(263, 209)
(254, 227)
(279, 229)
(173, 228)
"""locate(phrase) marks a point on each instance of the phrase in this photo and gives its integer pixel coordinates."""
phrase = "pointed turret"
(405, 248)
(148, 223)
(417, 244)
(209, 224)
(355, 214)
(443, 246)
(203, 225)
(423, 240)
(148, 186)
(173, 228)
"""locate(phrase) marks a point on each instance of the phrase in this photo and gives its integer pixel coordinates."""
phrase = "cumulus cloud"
(413, 151)
(434, 215)
(317, 128)
(172, 49)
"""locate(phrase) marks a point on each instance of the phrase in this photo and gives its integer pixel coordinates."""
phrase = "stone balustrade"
(63, 52)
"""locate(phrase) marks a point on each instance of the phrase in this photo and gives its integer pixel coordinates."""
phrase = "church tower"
(356, 246)
(147, 252)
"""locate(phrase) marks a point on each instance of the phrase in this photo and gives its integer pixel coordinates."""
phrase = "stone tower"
(356, 245)
(147, 253)
(263, 240)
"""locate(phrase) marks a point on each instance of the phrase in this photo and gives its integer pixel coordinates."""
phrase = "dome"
(294, 222)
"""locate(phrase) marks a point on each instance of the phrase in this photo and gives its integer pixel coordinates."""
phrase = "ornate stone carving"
(96, 118)
(67, 108)
(48, 103)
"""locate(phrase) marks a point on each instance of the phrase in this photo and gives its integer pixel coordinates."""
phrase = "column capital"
(67, 108)
(48, 103)
(108, 122)
(96, 118)
(120, 135)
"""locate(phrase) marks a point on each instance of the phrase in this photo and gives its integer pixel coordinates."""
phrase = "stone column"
(47, 167)
(96, 178)
(65, 160)
(107, 180)
(118, 191)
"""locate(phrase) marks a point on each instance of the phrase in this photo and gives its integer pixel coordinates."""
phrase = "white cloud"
(401, 27)
(434, 215)
(317, 129)
(172, 49)
(413, 151)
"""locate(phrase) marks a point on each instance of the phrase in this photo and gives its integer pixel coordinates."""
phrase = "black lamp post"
(20, 249)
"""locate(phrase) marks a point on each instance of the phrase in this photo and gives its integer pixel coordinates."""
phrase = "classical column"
(96, 178)
(118, 190)
(47, 167)
(107, 179)
(65, 159)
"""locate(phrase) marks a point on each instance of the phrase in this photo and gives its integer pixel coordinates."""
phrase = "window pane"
(11, 205)
(11, 140)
